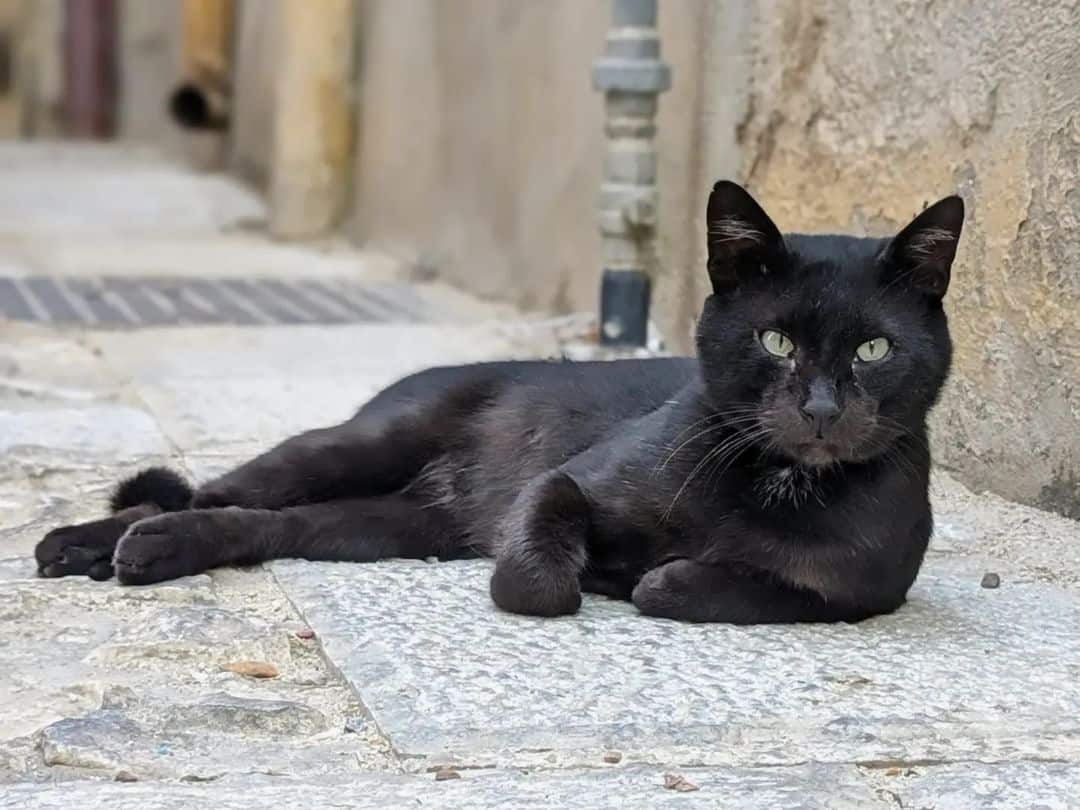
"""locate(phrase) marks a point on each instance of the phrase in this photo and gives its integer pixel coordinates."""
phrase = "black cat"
(780, 477)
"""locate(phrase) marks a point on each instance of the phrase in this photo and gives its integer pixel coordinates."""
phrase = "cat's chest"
(792, 486)
(811, 536)
(826, 570)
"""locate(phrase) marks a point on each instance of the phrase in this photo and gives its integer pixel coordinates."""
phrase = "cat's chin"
(816, 454)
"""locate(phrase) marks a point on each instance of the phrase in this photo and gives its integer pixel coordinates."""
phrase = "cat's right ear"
(741, 237)
(922, 254)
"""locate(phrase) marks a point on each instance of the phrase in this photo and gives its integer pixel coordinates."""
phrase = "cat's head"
(825, 348)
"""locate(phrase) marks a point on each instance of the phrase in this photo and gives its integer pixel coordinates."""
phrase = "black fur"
(775, 478)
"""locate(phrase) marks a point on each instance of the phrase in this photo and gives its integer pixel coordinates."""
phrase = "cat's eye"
(873, 350)
(776, 343)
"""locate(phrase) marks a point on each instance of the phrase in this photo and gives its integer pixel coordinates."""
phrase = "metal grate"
(135, 302)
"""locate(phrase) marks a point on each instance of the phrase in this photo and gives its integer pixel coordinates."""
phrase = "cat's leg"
(540, 553)
(377, 452)
(380, 450)
(695, 592)
(355, 530)
(353, 459)
(87, 548)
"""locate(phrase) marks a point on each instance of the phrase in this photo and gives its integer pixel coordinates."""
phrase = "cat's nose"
(821, 415)
(821, 408)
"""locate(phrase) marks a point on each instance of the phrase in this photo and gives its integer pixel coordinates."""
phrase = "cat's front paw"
(522, 586)
(80, 549)
(160, 548)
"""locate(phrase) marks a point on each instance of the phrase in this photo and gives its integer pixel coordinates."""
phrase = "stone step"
(967, 786)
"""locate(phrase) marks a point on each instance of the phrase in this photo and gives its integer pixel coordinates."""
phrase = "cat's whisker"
(714, 415)
(745, 439)
(707, 431)
(660, 467)
(892, 454)
(733, 454)
(733, 444)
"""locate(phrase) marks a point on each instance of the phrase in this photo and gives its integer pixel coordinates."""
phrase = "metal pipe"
(202, 100)
(199, 105)
(631, 75)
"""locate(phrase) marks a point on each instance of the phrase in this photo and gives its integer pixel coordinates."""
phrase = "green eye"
(872, 350)
(776, 343)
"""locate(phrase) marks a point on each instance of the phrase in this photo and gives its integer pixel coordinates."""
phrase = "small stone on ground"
(991, 580)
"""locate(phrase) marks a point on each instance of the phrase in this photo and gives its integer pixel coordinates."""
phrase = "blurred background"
(467, 142)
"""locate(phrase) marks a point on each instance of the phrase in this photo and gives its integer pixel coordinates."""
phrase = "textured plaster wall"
(700, 118)
(859, 113)
(477, 142)
(480, 140)
(257, 53)
(149, 69)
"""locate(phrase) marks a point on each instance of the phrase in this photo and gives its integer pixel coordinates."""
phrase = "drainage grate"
(134, 302)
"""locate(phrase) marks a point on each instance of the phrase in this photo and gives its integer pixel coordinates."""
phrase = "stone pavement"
(398, 684)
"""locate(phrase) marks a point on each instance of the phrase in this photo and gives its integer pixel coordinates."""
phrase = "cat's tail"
(157, 485)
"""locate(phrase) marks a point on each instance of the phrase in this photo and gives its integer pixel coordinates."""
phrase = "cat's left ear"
(741, 237)
(923, 252)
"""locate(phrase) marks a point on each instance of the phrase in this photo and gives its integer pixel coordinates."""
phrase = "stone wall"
(859, 114)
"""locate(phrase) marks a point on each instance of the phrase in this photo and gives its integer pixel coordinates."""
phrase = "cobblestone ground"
(398, 684)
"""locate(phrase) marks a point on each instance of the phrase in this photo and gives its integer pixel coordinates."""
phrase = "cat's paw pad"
(154, 550)
(84, 548)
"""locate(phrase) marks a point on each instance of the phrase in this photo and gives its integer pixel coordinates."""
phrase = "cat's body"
(754, 484)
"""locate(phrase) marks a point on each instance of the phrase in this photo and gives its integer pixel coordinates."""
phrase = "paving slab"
(244, 254)
(44, 363)
(948, 677)
(307, 352)
(97, 679)
(90, 433)
(139, 197)
(977, 786)
(59, 156)
(228, 391)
